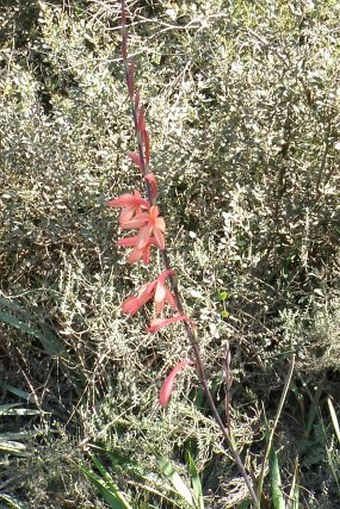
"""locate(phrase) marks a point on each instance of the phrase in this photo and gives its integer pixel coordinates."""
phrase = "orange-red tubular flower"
(141, 121)
(163, 296)
(132, 206)
(155, 289)
(132, 304)
(153, 224)
(137, 101)
(137, 254)
(127, 200)
(168, 384)
(159, 323)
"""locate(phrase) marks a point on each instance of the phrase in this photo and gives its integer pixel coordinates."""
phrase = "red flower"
(137, 254)
(153, 224)
(137, 101)
(167, 387)
(141, 121)
(159, 323)
(155, 289)
(132, 206)
(133, 304)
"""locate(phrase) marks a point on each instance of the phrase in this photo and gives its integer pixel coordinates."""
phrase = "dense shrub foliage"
(242, 100)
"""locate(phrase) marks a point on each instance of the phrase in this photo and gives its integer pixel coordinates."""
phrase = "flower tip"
(159, 323)
(168, 384)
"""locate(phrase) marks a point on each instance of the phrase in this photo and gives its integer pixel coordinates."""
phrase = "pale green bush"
(243, 112)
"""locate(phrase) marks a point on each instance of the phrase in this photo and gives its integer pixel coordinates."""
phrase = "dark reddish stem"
(191, 332)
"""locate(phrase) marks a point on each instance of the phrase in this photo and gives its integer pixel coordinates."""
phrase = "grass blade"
(295, 489)
(12, 503)
(196, 482)
(11, 410)
(12, 447)
(275, 480)
(334, 418)
(14, 390)
(105, 485)
(181, 488)
(50, 343)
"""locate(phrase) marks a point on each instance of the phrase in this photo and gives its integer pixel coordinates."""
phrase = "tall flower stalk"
(142, 214)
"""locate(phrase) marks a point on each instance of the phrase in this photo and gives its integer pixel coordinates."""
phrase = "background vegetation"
(242, 104)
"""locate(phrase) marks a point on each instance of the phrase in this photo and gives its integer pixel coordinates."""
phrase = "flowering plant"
(143, 215)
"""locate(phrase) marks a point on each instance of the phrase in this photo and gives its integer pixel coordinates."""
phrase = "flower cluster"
(137, 213)
(143, 215)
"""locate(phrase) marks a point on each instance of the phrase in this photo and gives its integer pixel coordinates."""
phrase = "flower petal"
(160, 295)
(141, 120)
(146, 255)
(159, 323)
(135, 255)
(137, 101)
(170, 299)
(167, 386)
(160, 224)
(126, 214)
(135, 222)
(131, 305)
(159, 239)
(128, 199)
(127, 242)
(166, 273)
(144, 236)
(139, 254)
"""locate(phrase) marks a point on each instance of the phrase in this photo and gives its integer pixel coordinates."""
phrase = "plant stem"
(191, 333)
(276, 421)
(192, 336)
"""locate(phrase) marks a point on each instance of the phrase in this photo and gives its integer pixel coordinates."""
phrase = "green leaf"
(105, 485)
(10, 446)
(196, 482)
(14, 390)
(334, 418)
(275, 478)
(48, 340)
(245, 505)
(12, 410)
(5, 408)
(50, 343)
(19, 435)
(181, 488)
(223, 296)
(12, 503)
(295, 489)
